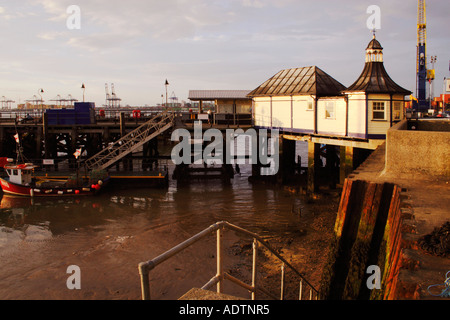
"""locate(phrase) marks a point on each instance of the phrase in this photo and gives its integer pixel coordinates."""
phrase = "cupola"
(374, 51)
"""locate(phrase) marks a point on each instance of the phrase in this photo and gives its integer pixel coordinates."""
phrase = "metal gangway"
(221, 275)
(131, 142)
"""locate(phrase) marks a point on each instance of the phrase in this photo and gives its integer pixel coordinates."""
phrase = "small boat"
(20, 182)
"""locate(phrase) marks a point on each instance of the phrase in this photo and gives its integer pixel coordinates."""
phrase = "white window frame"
(378, 107)
(330, 115)
(397, 111)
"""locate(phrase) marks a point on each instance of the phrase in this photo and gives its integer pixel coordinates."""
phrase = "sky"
(202, 45)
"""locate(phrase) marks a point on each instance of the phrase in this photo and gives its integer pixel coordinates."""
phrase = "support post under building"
(346, 163)
(313, 167)
(287, 158)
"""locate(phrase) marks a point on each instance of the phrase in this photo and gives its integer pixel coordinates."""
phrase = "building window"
(330, 110)
(309, 106)
(397, 110)
(378, 109)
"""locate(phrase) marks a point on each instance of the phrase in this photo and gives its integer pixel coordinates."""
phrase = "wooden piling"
(313, 167)
(346, 163)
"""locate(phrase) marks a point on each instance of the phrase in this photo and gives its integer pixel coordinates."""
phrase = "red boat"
(20, 182)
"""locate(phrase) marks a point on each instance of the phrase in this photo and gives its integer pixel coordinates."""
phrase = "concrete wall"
(418, 151)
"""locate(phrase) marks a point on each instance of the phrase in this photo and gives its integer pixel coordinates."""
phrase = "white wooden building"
(375, 101)
(309, 101)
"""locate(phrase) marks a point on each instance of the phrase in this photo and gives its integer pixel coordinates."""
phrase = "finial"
(374, 31)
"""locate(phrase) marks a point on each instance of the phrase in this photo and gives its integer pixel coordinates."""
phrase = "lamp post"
(443, 94)
(41, 91)
(166, 84)
(83, 87)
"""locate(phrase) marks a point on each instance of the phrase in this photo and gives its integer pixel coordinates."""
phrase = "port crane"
(6, 103)
(112, 101)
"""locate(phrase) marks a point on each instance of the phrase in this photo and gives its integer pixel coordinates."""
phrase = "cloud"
(254, 3)
(52, 35)
(166, 20)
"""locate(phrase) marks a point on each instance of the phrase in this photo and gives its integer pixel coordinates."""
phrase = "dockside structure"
(307, 104)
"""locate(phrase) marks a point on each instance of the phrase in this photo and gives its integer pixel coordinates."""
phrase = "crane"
(421, 55)
(112, 100)
(107, 92)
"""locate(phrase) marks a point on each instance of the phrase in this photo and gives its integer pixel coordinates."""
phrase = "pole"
(84, 88)
(254, 270)
(443, 94)
(167, 84)
(219, 260)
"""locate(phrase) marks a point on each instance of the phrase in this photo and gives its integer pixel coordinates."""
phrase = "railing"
(131, 141)
(235, 119)
(146, 267)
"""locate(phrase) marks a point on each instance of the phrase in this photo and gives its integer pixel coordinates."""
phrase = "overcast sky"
(203, 44)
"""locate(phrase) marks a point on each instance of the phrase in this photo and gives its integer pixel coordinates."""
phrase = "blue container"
(82, 113)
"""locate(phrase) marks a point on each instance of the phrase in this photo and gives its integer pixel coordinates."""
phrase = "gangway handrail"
(146, 267)
(118, 148)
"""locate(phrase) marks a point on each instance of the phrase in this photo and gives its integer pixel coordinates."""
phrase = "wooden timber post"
(39, 142)
(45, 135)
(313, 166)
(287, 158)
(73, 147)
(127, 161)
(346, 163)
(331, 164)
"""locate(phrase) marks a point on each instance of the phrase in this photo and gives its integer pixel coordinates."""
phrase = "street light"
(166, 84)
(84, 88)
(41, 91)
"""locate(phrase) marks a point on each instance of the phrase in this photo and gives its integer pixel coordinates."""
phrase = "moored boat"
(20, 182)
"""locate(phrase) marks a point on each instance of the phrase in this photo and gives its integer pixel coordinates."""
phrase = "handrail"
(146, 267)
(132, 139)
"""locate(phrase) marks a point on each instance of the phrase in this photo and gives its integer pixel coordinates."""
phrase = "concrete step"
(200, 294)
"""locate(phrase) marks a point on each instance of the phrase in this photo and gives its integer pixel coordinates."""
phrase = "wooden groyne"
(368, 232)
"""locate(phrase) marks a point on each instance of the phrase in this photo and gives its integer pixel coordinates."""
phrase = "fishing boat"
(19, 181)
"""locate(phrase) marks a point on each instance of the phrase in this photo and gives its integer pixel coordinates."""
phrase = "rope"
(446, 292)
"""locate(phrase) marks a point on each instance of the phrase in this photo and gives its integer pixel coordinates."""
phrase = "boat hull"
(32, 191)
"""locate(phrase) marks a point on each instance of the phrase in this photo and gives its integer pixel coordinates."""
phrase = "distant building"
(308, 100)
(226, 101)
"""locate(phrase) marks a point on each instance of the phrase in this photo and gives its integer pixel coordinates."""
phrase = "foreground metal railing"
(146, 267)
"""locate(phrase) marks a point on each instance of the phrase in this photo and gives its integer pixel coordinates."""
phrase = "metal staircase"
(131, 142)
